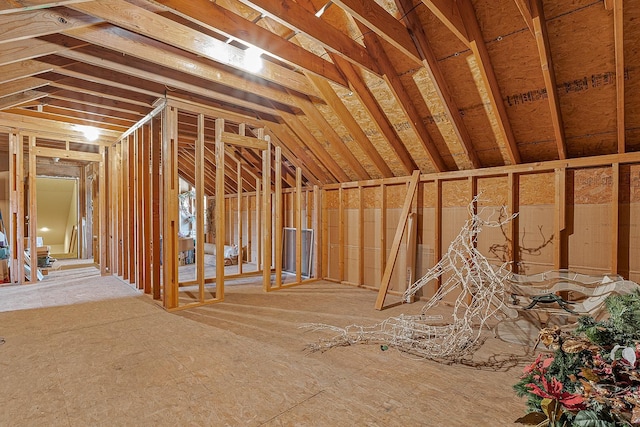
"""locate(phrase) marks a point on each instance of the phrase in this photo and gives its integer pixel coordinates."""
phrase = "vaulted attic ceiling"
(350, 89)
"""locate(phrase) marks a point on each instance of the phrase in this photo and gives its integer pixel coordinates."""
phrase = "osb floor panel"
(91, 350)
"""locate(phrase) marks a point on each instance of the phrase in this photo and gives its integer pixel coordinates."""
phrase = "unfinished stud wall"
(568, 218)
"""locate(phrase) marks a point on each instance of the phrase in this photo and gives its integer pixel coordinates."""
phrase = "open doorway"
(57, 213)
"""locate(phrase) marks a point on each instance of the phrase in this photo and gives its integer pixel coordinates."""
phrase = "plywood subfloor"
(119, 359)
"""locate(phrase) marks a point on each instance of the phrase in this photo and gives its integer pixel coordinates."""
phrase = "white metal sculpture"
(464, 269)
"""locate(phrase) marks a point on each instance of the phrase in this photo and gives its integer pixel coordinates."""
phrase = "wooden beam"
(220, 20)
(298, 224)
(296, 17)
(382, 23)
(379, 117)
(514, 226)
(479, 49)
(266, 219)
(21, 85)
(548, 72)
(36, 23)
(21, 50)
(395, 246)
(341, 221)
(67, 154)
(150, 24)
(102, 212)
(170, 209)
(314, 146)
(560, 207)
(345, 116)
(21, 69)
(615, 218)
(173, 61)
(200, 208)
(18, 99)
(243, 141)
(432, 66)
(405, 102)
(11, 6)
(524, 6)
(278, 218)
(449, 14)
(618, 33)
(220, 210)
(239, 219)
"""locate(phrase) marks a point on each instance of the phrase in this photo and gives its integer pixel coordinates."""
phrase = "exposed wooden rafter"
(220, 20)
(618, 33)
(432, 67)
(479, 48)
(548, 72)
(299, 19)
(380, 119)
(343, 114)
(405, 102)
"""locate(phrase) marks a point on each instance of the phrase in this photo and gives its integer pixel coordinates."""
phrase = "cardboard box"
(185, 244)
(4, 271)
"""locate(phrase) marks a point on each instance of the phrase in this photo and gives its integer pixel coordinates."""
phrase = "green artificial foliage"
(623, 325)
(593, 377)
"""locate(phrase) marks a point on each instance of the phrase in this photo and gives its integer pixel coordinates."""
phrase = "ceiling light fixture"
(90, 133)
(252, 60)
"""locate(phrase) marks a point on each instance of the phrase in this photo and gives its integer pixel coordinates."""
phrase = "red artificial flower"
(553, 390)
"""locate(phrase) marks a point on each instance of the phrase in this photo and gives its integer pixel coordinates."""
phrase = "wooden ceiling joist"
(165, 30)
(21, 85)
(34, 23)
(18, 99)
(68, 119)
(21, 69)
(100, 90)
(137, 46)
(8, 7)
(220, 20)
(300, 19)
(315, 147)
(384, 24)
(448, 13)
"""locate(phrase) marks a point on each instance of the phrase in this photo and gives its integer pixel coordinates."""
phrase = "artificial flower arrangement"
(592, 378)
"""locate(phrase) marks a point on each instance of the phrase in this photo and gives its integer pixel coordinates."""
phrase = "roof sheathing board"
(585, 73)
(440, 120)
(632, 82)
(320, 139)
(516, 63)
(347, 138)
(365, 121)
(387, 101)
